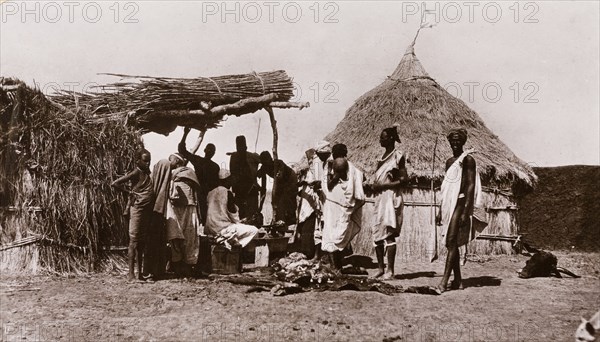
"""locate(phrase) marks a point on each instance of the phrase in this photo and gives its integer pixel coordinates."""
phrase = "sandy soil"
(495, 306)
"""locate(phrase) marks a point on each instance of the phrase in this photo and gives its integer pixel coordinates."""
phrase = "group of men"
(333, 191)
(175, 204)
(332, 197)
(178, 204)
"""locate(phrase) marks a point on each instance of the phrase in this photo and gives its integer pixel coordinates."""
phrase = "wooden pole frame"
(275, 157)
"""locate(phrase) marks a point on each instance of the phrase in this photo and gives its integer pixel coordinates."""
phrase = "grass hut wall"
(425, 112)
(57, 209)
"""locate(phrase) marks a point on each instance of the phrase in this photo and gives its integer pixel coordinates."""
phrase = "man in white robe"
(460, 194)
(344, 197)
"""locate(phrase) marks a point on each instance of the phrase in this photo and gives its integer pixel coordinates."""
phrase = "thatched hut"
(57, 209)
(425, 112)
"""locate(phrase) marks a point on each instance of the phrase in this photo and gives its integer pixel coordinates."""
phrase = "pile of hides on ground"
(295, 274)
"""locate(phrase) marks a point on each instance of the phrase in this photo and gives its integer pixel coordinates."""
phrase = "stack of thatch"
(56, 168)
(159, 104)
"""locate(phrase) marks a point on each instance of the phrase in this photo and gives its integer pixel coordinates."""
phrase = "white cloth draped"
(388, 203)
(449, 195)
(309, 198)
(223, 224)
(342, 210)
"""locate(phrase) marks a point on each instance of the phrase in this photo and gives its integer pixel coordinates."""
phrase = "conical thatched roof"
(423, 110)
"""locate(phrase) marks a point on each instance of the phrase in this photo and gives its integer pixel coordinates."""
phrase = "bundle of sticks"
(149, 99)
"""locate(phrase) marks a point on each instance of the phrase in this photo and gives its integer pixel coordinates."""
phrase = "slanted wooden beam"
(274, 128)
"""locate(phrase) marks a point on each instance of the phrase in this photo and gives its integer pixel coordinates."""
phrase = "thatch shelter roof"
(424, 111)
(160, 104)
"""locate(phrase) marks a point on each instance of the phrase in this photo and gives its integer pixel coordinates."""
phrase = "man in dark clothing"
(244, 167)
(207, 171)
(285, 188)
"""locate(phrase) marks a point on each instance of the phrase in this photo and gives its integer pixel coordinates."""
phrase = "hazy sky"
(530, 69)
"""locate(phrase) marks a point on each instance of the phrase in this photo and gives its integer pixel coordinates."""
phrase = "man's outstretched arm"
(182, 149)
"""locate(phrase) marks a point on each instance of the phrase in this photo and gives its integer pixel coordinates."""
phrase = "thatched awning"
(424, 112)
(160, 104)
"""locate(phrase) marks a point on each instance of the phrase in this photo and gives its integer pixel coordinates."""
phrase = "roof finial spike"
(424, 24)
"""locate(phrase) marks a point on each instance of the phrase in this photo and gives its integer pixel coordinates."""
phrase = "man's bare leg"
(391, 259)
(318, 254)
(336, 260)
(380, 251)
(457, 281)
(140, 260)
(452, 259)
(131, 254)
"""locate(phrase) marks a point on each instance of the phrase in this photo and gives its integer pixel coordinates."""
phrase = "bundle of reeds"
(164, 93)
(160, 104)
(59, 163)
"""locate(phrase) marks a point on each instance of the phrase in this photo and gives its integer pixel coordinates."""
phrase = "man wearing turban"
(460, 194)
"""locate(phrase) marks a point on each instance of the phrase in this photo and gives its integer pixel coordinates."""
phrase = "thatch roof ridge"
(410, 67)
(424, 111)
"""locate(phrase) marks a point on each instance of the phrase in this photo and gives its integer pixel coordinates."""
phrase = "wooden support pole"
(275, 157)
(274, 127)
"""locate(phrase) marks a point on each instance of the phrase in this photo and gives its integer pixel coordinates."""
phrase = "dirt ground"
(496, 305)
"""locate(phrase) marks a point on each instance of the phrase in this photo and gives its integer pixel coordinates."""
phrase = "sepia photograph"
(299, 170)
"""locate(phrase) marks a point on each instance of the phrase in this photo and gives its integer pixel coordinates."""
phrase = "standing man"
(389, 179)
(244, 168)
(321, 168)
(460, 193)
(285, 188)
(308, 205)
(140, 204)
(207, 171)
(343, 200)
(155, 255)
(182, 217)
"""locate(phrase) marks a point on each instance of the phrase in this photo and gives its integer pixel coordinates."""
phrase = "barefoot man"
(343, 200)
(390, 177)
(460, 193)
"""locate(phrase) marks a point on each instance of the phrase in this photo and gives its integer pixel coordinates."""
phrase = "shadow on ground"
(415, 275)
(481, 281)
(360, 261)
